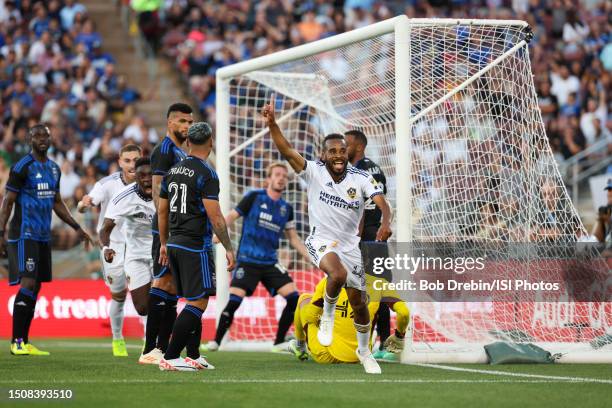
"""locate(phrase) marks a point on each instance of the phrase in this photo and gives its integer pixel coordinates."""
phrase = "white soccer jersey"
(135, 212)
(101, 195)
(335, 209)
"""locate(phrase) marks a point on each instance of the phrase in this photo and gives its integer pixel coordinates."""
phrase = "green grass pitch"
(97, 379)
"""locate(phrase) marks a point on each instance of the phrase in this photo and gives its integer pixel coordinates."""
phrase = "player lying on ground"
(114, 273)
(266, 216)
(189, 212)
(33, 189)
(132, 207)
(337, 193)
(162, 297)
(343, 349)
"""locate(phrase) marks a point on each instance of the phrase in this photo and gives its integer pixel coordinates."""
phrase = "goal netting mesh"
(481, 166)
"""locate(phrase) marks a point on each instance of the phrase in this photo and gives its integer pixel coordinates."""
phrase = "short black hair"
(142, 161)
(199, 133)
(38, 128)
(358, 135)
(179, 107)
(333, 136)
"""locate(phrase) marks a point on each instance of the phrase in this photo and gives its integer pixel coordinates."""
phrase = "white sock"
(116, 319)
(363, 337)
(329, 305)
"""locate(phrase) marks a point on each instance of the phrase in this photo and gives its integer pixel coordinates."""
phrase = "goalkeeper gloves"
(395, 343)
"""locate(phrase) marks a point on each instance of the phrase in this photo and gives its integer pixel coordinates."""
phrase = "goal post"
(451, 115)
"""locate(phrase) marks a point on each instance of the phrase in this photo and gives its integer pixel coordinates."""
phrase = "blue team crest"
(239, 273)
(30, 265)
(352, 193)
(283, 210)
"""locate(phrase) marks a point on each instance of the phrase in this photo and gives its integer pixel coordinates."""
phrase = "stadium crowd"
(53, 67)
(53, 70)
(571, 51)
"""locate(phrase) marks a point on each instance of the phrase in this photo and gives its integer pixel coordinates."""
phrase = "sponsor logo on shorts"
(352, 193)
(322, 248)
(240, 273)
(30, 265)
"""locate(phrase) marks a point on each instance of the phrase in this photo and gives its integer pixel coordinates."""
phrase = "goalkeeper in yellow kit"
(342, 349)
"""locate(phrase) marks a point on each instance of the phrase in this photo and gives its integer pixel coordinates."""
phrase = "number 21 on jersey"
(173, 189)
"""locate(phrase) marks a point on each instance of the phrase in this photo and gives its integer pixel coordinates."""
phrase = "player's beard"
(330, 167)
(179, 136)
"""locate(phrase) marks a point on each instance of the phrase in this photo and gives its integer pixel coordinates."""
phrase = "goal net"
(451, 116)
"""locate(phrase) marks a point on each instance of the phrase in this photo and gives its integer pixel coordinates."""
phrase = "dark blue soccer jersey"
(264, 221)
(36, 184)
(185, 186)
(165, 155)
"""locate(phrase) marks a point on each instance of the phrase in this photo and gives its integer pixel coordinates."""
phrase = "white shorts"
(138, 272)
(350, 257)
(114, 276)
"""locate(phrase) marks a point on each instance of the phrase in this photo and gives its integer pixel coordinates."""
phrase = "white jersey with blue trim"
(135, 212)
(335, 208)
(101, 194)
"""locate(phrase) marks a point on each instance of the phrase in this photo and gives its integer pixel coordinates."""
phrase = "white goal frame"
(401, 28)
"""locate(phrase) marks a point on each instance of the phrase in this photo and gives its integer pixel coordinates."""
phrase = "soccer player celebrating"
(133, 207)
(342, 350)
(114, 275)
(189, 212)
(337, 193)
(266, 216)
(33, 189)
(357, 142)
(162, 297)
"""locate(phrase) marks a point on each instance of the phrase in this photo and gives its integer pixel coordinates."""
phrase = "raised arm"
(296, 161)
(213, 211)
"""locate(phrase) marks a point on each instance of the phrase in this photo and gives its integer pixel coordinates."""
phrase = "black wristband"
(399, 335)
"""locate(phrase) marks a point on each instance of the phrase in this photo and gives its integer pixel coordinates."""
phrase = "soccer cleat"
(326, 328)
(367, 361)
(280, 348)
(18, 348)
(176, 364)
(33, 351)
(300, 353)
(119, 349)
(390, 357)
(210, 346)
(152, 357)
(199, 364)
(379, 355)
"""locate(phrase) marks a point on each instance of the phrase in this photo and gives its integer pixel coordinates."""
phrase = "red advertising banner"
(78, 308)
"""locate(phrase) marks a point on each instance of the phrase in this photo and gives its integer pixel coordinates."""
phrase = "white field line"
(76, 344)
(286, 381)
(511, 374)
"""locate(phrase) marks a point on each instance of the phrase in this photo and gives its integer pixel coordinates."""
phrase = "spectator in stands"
(69, 11)
(603, 226)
